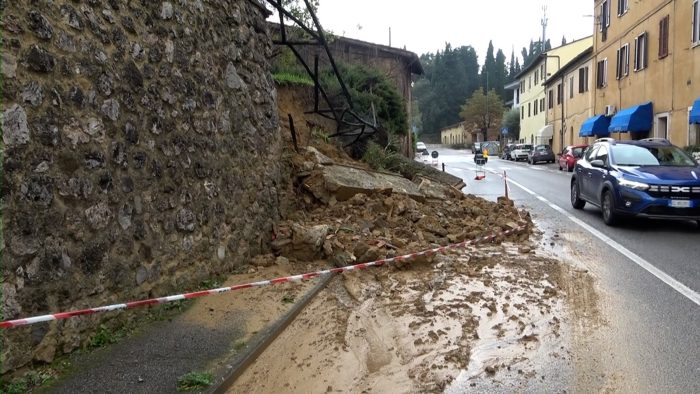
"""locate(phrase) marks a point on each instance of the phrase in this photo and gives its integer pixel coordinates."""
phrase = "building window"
(529, 82)
(571, 87)
(622, 7)
(550, 98)
(623, 61)
(602, 74)
(534, 111)
(542, 71)
(696, 22)
(583, 79)
(640, 52)
(560, 93)
(537, 76)
(542, 104)
(663, 37)
(522, 112)
(604, 15)
(529, 110)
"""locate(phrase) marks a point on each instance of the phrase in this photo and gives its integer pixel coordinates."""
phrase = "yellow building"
(455, 134)
(647, 60)
(568, 97)
(533, 127)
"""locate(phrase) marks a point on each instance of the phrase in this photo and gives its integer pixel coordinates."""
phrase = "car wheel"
(608, 207)
(576, 200)
(569, 168)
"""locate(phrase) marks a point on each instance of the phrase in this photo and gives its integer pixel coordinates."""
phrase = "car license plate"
(681, 204)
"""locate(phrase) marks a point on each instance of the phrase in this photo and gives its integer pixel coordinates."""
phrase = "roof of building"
(410, 57)
(541, 56)
(413, 60)
(585, 55)
(513, 85)
(452, 126)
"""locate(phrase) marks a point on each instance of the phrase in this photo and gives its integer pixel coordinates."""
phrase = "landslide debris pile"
(382, 223)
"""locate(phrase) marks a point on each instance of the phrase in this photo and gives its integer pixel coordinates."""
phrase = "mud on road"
(486, 318)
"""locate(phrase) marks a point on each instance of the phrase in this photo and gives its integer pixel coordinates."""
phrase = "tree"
(300, 11)
(484, 111)
(511, 121)
(450, 76)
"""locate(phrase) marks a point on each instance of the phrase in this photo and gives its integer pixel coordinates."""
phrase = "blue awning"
(695, 112)
(634, 119)
(597, 125)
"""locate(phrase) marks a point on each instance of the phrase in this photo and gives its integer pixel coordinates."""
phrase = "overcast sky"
(425, 26)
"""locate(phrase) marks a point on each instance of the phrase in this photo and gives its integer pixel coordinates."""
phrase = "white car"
(520, 152)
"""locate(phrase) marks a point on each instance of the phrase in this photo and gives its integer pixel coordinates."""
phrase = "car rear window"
(577, 152)
(527, 147)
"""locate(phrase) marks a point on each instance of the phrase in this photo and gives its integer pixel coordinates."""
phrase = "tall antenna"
(544, 26)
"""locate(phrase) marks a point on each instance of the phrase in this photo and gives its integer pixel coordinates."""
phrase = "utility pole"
(486, 132)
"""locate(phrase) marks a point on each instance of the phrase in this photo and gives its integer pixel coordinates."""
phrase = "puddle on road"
(520, 341)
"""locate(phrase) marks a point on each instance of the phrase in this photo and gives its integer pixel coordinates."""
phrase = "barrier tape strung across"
(285, 279)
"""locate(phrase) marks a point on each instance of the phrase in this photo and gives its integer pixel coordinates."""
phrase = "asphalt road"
(647, 274)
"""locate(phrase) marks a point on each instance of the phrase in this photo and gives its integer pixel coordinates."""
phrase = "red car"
(570, 155)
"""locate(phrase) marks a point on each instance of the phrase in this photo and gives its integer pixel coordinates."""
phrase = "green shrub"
(194, 381)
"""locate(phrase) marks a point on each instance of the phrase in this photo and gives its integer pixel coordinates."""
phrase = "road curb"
(234, 368)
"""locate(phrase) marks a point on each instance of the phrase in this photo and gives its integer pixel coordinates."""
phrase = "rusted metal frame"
(322, 38)
(284, 13)
(340, 119)
(316, 82)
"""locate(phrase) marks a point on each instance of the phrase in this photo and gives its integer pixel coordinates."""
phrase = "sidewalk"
(208, 337)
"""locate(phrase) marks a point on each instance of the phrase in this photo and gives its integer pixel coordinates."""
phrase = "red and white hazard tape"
(285, 279)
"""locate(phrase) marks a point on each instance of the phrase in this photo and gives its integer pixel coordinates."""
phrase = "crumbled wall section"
(141, 155)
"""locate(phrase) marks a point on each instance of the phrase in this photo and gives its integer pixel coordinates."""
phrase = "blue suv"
(648, 178)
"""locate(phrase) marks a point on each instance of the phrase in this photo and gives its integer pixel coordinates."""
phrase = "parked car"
(541, 153)
(648, 178)
(520, 152)
(420, 147)
(505, 155)
(569, 156)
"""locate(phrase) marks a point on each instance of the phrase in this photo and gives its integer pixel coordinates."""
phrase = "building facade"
(647, 68)
(569, 100)
(455, 134)
(533, 122)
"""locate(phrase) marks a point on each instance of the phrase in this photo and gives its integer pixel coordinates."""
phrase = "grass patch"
(29, 381)
(286, 78)
(194, 381)
(106, 336)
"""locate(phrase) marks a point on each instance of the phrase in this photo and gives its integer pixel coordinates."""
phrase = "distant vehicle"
(505, 154)
(541, 153)
(649, 178)
(420, 147)
(520, 152)
(570, 155)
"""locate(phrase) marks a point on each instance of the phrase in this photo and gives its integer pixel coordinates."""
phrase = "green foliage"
(373, 94)
(483, 111)
(511, 120)
(23, 384)
(450, 77)
(194, 381)
(285, 78)
(381, 159)
(106, 336)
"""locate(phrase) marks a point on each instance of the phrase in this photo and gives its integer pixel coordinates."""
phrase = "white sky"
(425, 26)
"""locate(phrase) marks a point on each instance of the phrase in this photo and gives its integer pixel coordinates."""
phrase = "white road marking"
(664, 277)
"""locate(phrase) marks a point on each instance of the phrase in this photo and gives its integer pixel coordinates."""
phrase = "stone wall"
(141, 156)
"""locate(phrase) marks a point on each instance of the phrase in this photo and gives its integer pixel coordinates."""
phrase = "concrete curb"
(226, 376)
